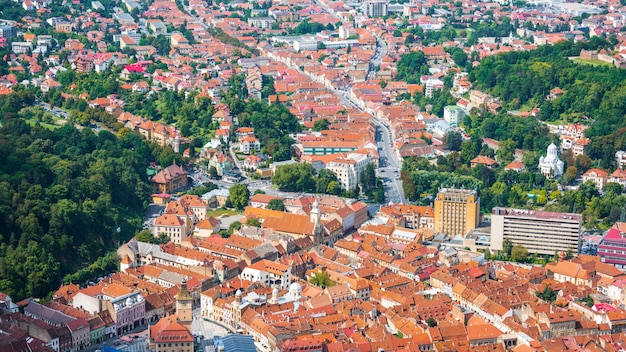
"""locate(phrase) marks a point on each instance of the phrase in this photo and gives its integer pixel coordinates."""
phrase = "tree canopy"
(411, 67)
(322, 279)
(591, 93)
(64, 191)
(276, 204)
(239, 195)
(272, 123)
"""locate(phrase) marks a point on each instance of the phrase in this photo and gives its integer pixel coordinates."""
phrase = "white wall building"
(550, 165)
(453, 114)
(620, 158)
(349, 169)
(268, 273)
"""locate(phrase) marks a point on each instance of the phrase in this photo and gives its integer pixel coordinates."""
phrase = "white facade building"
(550, 165)
(453, 114)
(349, 169)
(620, 158)
(268, 273)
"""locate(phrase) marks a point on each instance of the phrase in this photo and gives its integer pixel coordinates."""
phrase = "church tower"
(184, 307)
(316, 219)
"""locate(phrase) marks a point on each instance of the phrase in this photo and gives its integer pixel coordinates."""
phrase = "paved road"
(390, 170)
(392, 185)
(153, 212)
(97, 127)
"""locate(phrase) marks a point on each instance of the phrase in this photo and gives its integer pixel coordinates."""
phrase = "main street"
(390, 170)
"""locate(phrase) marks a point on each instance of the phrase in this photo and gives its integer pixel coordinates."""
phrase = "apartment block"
(457, 211)
(540, 232)
(612, 248)
(8, 31)
(375, 8)
(349, 169)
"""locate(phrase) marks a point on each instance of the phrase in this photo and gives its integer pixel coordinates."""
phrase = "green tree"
(234, 226)
(548, 294)
(411, 67)
(144, 236)
(470, 149)
(368, 178)
(506, 151)
(324, 179)
(333, 188)
(239, 195)
(453, 140)
(295, 178)
(459, 57)
(162, 239)
(613, 188)
(519, 253)
(253, 222)
(431, 322)
(212, 171)
(276, 204)
(320, 125)
(507, 247)
(570, 175)
(322, 280)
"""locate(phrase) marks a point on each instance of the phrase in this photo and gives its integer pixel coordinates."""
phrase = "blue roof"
(238, 343)
(110, 349)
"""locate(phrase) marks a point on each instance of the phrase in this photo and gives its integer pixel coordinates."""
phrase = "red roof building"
(170, 179)
(168, 335)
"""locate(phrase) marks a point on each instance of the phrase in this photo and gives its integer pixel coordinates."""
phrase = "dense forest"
(592, 94)
(67, 197)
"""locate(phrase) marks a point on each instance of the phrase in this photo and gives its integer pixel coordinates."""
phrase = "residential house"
(612, 248)
(207, 227)
(252, 162)
(597, 176)
(483, 160)
(249, 144)
(618, 176)
(515, 165)
(339, 293)
(567, 271)
(169, 335)
(170, 179)
(173, 226)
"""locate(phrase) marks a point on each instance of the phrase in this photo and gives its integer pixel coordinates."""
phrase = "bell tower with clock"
(184, 307)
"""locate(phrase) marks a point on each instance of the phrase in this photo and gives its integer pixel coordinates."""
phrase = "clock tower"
(184, 305)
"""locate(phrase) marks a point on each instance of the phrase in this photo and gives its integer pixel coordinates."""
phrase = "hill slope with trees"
(67, 197)
(524, 79)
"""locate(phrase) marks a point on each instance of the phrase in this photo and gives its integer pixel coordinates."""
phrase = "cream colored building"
(457, 211)
(349, 169)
